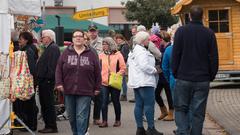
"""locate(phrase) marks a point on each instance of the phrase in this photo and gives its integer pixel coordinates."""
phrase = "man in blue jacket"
(194, 65)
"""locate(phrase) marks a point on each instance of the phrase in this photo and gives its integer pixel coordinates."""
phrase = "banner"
(4, 6)
(25, 7)
(5, 31)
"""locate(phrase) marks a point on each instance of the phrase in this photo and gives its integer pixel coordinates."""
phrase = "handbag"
(115, 80)
(22, 80)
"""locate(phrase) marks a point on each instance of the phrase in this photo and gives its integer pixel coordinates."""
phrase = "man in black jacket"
(194, 65)
(46, 67)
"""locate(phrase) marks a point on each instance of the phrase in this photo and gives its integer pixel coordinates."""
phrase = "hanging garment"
(4, 79)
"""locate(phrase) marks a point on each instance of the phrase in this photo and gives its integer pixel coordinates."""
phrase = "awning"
(70, 24)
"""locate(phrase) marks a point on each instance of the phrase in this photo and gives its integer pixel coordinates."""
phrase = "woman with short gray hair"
(142, 79)
(111, 61)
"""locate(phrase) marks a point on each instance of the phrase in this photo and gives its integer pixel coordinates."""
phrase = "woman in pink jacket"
(111, 61)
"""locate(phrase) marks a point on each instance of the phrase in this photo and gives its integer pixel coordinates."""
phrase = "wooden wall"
(234, 7)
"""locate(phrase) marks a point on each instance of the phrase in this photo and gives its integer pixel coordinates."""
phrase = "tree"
(147, 12)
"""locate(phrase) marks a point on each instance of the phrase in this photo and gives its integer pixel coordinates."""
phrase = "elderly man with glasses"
(46, 66)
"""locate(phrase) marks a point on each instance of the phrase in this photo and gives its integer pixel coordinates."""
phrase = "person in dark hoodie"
(46, 66)
(78, 75)
(27, 110)
(194, 65)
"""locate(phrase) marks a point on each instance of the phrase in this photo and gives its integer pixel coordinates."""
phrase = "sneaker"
(153, 131)
(144, 119)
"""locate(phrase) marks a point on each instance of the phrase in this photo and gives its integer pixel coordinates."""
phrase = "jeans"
(115, 95)
(190, 101)
(144, 97)
(124, 86)
(78, 109)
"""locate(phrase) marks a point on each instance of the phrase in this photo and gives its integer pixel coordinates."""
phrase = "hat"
(155, 30)
(92, 27)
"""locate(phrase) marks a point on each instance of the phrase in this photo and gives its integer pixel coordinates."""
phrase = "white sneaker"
(87, 133)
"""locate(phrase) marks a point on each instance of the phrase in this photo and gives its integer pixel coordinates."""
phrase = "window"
(117, 27)
(219, 20)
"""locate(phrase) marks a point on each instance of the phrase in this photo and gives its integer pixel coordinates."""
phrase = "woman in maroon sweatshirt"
(78, 75)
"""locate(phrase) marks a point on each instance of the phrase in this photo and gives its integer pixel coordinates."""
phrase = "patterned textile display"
(22, 80)
(4, 79)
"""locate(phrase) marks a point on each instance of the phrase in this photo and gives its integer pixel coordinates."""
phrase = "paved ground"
(222, 106)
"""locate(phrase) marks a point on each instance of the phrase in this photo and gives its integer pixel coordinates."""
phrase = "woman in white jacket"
(142, 79)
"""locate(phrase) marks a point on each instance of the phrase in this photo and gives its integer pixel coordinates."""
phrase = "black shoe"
(48, 130)
(132, 101)
(140, 131)
(153, 131)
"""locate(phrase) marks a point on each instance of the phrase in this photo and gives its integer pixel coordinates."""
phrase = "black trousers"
(97, 107)
(162, 83)
(46, 97)
(27, 111)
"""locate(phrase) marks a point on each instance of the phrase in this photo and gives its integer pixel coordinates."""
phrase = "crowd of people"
(182, 64)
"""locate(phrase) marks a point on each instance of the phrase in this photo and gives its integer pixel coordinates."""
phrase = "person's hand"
(59, 88)
(158, 68)
(96, 92)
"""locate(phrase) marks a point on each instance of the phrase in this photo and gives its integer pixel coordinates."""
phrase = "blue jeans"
(78, 109)
(190, 101)
(144, 97)
(115, 95)
(124, 86)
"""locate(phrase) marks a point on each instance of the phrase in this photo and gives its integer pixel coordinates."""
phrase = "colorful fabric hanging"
(4, 79)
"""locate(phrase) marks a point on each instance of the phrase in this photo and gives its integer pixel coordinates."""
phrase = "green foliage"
(147, 12)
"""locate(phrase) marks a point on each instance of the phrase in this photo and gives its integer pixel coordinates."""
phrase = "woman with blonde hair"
(111, 60)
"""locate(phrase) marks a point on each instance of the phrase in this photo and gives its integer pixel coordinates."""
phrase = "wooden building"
(223, 17)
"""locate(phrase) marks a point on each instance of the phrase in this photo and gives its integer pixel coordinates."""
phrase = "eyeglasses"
(77, 36)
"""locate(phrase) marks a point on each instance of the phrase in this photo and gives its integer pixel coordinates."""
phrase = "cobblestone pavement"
(224, 107)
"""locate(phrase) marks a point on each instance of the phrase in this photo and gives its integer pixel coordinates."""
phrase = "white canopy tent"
(8, 8)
